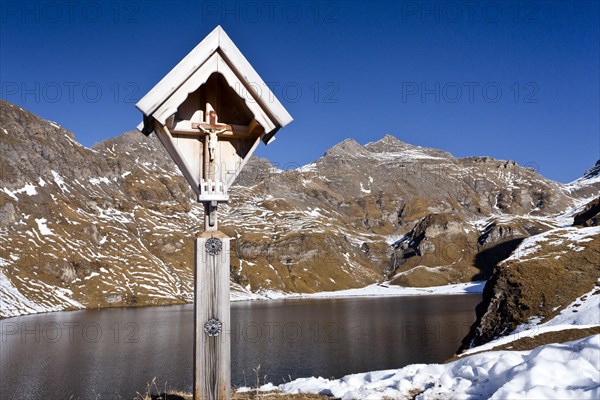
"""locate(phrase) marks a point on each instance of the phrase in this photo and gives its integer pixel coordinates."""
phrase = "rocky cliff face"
(112, 224)
(545, 275)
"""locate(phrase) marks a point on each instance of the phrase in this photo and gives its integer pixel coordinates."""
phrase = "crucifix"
(211, 129)
(214, 80)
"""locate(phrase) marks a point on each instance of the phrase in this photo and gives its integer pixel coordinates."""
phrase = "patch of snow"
(434, 270)
(568, 370)
(13, 301)
(97, 181)
(93, 274)
(404, 155)
(42, 182)
(29, 189)
(582, 182)
(272, 294)
(394, 239)
(556, 237)
(315, 212)
(42, 227)
(532, 332)
(307, 168)
(362, 189)
(59, 181)
(585, 310)
(10, 193)
(532, 322)
(383, 289)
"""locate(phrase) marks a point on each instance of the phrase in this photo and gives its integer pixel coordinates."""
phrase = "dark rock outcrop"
(589, 216)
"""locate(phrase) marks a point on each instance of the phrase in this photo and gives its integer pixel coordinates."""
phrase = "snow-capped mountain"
(593, 172)
(114, 224)
(587, 185)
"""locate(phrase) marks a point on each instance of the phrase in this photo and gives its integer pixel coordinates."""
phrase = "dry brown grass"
(153, 392)
(252, 395)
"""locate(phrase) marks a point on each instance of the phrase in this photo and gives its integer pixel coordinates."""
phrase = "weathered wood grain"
(167, 140)
(212, 362)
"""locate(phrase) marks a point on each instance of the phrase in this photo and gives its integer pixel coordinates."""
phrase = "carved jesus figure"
(210, 129)
(212, 144)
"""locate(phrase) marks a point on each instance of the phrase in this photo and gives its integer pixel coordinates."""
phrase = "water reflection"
(118, 351)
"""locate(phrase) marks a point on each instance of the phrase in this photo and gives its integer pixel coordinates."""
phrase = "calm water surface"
(104, 353)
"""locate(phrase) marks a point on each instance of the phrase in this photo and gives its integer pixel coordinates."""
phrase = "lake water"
(104, 353)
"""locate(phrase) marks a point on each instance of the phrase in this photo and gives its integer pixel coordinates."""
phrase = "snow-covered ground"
(375, 290)
(555, 371)
(568, 237)
(394, 290)
(585, 310)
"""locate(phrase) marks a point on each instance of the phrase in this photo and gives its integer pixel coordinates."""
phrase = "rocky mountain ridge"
(112, 224)
(549, 279)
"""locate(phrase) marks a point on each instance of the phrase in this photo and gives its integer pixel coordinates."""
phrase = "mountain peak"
(388, 143)
(387, 138)
(592, 172)
(391, 144)
(346, 147)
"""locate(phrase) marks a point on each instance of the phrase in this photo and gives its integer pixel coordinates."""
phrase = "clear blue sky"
(511, 80)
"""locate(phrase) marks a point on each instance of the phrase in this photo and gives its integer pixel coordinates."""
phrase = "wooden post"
(174, 111)
(212, 365)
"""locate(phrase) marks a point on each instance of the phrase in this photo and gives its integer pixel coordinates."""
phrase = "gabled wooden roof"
(216, 53)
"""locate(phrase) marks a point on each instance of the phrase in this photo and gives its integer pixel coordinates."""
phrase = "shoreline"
(372, 291)
(375, 290)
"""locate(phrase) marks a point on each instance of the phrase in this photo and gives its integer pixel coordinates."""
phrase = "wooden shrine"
(210, 112)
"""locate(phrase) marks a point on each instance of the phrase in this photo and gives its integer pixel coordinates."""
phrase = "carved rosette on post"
(213, 246)
(213, 327)
(210, 112)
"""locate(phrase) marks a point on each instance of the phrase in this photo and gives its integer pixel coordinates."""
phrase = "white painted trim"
(216, 42)
(248, 74)
(214, 64)
(179, 74)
